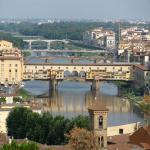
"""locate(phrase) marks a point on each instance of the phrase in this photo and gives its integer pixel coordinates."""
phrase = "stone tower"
(98, 116)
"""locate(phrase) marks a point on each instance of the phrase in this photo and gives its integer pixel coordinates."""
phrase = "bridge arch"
(67, 73)
(82, 73)
(75, 73)
(39, 44)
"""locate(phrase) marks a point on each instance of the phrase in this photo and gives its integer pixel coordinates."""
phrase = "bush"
(23, 146)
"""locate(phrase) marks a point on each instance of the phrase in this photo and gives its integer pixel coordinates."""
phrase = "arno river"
(73, 98)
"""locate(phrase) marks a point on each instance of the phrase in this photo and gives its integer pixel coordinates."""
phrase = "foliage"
(81, 139)
(17, 99)
(23, 146)
(26, 54)
(42, 128)
(126, 88)
(16, 41)
(16, 122)
(2, 100)
(144, 107)
(25, 94)
(62, 30)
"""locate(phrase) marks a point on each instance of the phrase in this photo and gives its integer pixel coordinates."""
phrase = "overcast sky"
(76, 9)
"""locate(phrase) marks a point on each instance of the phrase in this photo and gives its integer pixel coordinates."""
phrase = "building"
(134, 39)
(11, 64)
(98, 116)
(135, 33)
(100, 37)
(142, 73)
(141, 137)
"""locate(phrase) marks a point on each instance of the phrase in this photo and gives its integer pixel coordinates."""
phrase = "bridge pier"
(95, 85)
(53, 83)
(30, 45)
(48, 45)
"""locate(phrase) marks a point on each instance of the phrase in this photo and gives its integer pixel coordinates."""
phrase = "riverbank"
(126, 88)
(25, 94)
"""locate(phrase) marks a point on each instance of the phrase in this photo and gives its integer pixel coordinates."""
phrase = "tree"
(16, 122)
(2, 100)
(81, 139)
(42, 128)
(144, 107)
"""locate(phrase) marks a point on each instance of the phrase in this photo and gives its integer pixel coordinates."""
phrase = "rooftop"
(142, 67)
(97, 106)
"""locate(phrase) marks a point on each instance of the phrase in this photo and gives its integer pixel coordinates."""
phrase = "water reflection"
(73, 98)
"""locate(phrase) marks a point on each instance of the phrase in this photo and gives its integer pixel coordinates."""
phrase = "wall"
(127, 129)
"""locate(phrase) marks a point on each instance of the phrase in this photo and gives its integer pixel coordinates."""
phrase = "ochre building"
(11, 64)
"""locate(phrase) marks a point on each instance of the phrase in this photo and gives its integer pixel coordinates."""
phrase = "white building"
(100, 37)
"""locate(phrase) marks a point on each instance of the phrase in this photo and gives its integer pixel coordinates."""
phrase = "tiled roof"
(141, 137)
(97, 106)
(142, 67)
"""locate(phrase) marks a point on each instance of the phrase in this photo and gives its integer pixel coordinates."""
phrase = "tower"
(98, 117)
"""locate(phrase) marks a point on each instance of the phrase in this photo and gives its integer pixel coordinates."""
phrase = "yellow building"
(11, 64)
(5, 45)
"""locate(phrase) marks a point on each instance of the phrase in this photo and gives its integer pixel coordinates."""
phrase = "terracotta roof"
(97, 106)
(145, 146)
(142, 67)
(120, 142)
(141, 137)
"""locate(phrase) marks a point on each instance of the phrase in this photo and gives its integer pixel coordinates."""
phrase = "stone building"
(100, 37)
(11, 64)
(98, 116)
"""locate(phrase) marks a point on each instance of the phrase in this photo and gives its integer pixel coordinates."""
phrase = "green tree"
(2, 100)
(42, 128)
(16, 122)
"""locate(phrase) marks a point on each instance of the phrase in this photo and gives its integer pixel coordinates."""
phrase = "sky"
(75, 9)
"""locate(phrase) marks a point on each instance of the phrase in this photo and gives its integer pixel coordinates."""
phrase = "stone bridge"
(30, 41)
(88, 72)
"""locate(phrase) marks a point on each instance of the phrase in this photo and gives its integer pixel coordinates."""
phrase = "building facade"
(11, 64)
(98, 116)
(142, 73)
(100, 37)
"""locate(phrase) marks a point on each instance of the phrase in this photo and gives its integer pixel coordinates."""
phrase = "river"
(73, 98)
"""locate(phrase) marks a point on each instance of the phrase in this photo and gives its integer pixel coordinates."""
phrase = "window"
(100, 121)
(102, 141)
(120, 131)
(99, 140)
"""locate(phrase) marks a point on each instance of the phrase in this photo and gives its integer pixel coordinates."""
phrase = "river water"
(73, 98)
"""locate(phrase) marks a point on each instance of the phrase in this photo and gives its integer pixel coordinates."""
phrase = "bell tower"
(98, 117)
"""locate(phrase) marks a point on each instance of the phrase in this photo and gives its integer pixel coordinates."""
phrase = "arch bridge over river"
(87, 72)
